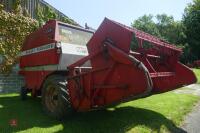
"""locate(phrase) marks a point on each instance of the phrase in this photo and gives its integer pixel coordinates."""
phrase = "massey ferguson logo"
(38, 49)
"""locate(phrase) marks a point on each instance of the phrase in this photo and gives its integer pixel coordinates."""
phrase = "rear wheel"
(55, 97)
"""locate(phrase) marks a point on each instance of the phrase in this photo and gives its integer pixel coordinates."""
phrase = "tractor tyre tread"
(64, 109)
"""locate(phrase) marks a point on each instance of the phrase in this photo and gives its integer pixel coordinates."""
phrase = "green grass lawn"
(158, 113)
(197, 72)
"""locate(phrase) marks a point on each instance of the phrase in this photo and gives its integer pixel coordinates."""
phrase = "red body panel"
(44, 35)
(49, 57)
(182, 75)
(108, 83)
(34, 79)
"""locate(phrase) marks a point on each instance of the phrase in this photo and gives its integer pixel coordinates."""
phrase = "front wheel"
(55, 97)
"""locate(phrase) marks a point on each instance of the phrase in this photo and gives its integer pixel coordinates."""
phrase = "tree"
(163, 27)
(14, 28)
(40, 15)
(45, 14)
(17, 9)
(1, 7)
(146, 24)
(49, 14)
(169, 29)
(68, 20)
(191, 20)
(166, 28)
(26, 13)
(194, 6)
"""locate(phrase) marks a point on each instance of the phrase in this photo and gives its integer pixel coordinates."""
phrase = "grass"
(197, 73)
(158, 113)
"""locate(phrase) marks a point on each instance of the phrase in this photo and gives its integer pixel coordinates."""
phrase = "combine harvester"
(74, 69)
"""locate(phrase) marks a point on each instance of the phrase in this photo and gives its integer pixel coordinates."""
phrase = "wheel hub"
(51, 99)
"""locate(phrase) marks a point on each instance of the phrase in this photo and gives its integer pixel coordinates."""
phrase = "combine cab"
(75, 69)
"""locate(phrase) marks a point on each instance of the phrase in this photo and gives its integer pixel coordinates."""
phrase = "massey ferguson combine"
(74, 69)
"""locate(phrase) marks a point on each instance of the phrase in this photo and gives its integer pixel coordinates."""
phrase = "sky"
(93, 12)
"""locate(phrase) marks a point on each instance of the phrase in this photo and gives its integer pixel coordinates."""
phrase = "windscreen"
(74, 36)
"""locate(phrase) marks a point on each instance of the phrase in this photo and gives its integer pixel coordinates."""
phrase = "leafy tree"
(68, 20)
(162, 26)
(169, 29)
(194, 6)
(1, 7)
(49, 13)
(26, 13)
(146, 24)
(17, 9)
(40, 15)
(45, 14)
(191, 22)
(14, 28)
(166, 28)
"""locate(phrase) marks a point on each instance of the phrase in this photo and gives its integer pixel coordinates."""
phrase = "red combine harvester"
(75, 69)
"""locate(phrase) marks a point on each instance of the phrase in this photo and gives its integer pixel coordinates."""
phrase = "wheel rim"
(51, 98)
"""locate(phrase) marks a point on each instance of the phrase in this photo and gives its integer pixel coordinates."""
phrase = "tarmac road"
(192, 120)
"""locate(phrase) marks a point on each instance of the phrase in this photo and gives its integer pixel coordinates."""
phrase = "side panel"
(182, 76)
(94, 90)
(120, 36)
(112, 82)
(71, 53)
(34, 79)
(43, 35)
(47, 57)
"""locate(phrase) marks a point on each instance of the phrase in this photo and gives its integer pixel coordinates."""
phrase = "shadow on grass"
(29, 114)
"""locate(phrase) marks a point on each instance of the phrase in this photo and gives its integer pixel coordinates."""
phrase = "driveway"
(192, 120)
(190, 89)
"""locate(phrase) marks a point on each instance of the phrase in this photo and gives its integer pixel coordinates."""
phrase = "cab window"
(74, 36)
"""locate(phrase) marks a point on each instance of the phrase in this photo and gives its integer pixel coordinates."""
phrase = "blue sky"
(123, 11)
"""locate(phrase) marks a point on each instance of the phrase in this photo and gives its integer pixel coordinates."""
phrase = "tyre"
(23, 93)
(55, 97)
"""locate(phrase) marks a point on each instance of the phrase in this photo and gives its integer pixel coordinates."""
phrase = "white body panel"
(71, 53)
